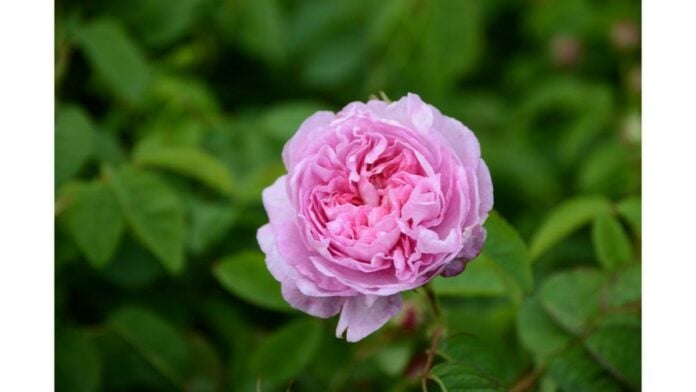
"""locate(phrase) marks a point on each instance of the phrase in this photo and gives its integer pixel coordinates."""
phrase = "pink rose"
(379, 198)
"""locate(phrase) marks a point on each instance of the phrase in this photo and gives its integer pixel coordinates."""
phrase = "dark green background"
(170, 119)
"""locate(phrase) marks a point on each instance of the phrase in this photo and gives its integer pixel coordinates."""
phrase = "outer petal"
(287, 276)
(460, 138)
(454, 267)
(323, 307)
(474, 237)
(485, 186)
(292, 152)
(279, 268)
(404, 111)
(419, 112)
(462, 141)
(363, 314)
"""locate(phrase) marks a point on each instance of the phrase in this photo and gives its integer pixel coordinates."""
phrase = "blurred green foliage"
(170, 119)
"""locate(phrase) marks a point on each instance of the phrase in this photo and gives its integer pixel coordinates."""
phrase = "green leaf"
(630, 211)
(245, 275)
(610, 242)
(336, 61)
(132, 267)
(107, 148)
(171, 128)
(618, 349)
(574, 370)
(490, 319)
(509, 254)
(74, 142)
(187, 161)
(624, 288)
(184, 97)
(157, 22)
(205, 374)
(626, 318)
(297, 343)
(230, 326)
(572, 113)
(479, 279)
(452, 376)
(115, 58)
(209, 223)
(95, 223)
(564, 220)
(467, 349)
(78, 365)
(452, 42)
(153, 338)
(547, 384)
(262, 29)
(606, 170)
(572, 298)
(389, 14)
(154, 214)
(537, 331)
(125, 369)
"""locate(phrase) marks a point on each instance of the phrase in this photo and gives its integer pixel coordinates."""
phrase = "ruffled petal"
(288, 277)
(293, 261)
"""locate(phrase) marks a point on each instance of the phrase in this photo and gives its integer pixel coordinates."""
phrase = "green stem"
(432, 300)
(437, 336)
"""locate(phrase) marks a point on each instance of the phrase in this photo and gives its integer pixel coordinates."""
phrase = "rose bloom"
(379, 198)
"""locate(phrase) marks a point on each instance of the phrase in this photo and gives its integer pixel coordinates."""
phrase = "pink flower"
(379, 198)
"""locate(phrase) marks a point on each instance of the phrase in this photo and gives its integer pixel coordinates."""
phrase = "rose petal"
(420, 113)
(323, 307)
(291, 246)
(293, 150)
(485, 185)
(279, 268)
(288, 277)
(461, 139)
(454, 267)
(361, 315)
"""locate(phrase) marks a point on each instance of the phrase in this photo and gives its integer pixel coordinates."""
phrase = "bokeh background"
(170, 119)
